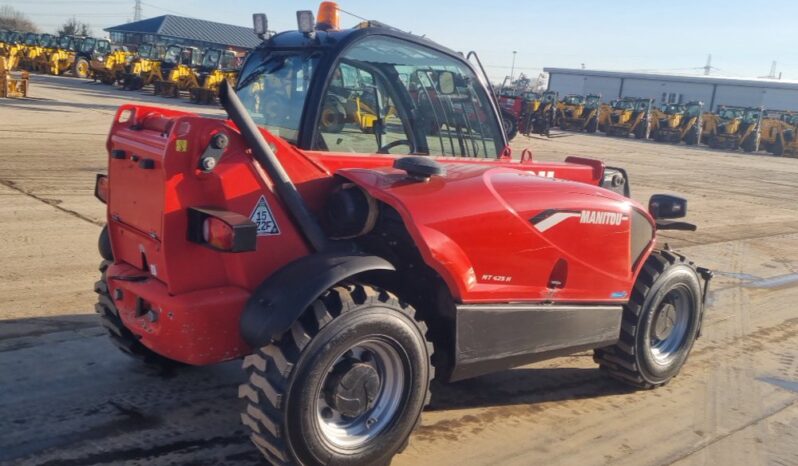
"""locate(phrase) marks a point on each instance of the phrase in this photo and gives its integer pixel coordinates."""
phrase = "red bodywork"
(472, 226)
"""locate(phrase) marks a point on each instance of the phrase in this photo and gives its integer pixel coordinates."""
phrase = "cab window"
(392, 97)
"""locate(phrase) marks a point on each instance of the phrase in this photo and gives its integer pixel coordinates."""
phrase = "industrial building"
(667, 88)
(170, 29)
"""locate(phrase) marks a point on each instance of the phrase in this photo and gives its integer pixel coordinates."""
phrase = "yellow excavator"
(734, 128)
(630, 116)
(579, 113)
(678, 122)
(217, 66)
(144, 68)
(178, 71)
(111, 67)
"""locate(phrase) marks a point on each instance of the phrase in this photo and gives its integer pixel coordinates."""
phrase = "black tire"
(777, 148)
(510, 125)
(691, 138)
(632, 360)
(286, 378)
(592, 125)
(120, 336)
(81, 68)
(749, 145)
(640, 131)
(333, 116)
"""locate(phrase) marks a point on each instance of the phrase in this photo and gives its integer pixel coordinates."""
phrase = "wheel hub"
(666, 321)
(352, 388)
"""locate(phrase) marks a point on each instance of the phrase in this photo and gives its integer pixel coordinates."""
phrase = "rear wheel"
(346, 385)
(510, 125)
(120, 336)
(660, 323)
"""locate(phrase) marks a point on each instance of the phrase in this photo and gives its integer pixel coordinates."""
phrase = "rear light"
(218, 234)
(101, 188)
(221, 230)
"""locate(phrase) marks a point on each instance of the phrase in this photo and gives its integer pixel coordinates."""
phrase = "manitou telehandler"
(631, 116)
(734, 128)
(217, 66)
(678, 122)
(579, 113)
(348, 270)
(178, 70)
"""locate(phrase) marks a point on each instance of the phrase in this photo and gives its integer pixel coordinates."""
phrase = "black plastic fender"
(279, 301)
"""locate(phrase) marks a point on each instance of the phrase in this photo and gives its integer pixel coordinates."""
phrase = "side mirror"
(446, 83)
(666, 206)
(260, 24)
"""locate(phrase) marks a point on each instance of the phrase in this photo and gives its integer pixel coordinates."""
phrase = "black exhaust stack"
(266, 158)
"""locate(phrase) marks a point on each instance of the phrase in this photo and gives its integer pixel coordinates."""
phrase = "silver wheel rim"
(669, 326)
(345, 433)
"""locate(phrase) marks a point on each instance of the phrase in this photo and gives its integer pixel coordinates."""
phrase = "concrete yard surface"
(69, 397)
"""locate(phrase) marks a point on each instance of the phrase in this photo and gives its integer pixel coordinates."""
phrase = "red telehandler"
(349, 269)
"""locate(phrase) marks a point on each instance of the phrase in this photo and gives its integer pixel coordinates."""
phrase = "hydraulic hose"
(269, 161)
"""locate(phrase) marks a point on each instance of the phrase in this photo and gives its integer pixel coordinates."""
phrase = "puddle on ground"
(752, 281)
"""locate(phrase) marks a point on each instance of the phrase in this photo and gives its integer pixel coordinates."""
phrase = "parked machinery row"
(169, 70)
(751, 129)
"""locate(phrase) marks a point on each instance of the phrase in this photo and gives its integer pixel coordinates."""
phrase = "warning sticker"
(181, 145)
(262, 217)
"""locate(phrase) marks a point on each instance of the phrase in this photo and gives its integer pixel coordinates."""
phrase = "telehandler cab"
(349, 269)
(91, 50)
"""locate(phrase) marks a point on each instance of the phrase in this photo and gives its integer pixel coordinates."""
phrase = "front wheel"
(345, 385)
(660, 323)
(81, 68)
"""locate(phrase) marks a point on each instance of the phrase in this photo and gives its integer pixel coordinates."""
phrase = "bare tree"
(15, 20)
(73, 27)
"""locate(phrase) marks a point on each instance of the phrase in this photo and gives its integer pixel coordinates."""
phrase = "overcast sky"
(743, 37)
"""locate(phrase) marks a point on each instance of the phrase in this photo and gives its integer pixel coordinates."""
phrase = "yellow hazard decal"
(181, 145)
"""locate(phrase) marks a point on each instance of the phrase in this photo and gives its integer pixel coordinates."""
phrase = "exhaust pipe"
(266, 158)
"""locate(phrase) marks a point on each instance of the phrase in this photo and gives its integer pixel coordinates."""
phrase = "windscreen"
(273, 88)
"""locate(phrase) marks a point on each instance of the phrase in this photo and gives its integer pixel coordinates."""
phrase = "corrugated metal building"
(665, 88)
(170, 29)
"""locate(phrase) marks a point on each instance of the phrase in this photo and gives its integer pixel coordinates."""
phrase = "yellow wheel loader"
(11, 86)
(217, 66)
(630, 116)
(48, 44)
(579, 113)
(178, 70)
(736, 128)
(678, 122)
(144, 68)
(774, 122)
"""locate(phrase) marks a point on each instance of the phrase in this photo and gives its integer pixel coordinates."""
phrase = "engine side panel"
(500, 235)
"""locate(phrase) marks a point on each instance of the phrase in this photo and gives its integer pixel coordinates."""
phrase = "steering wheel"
(387, 147)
